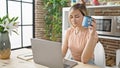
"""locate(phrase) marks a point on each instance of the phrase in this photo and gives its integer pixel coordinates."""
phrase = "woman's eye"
(77, 16)
(71, 16)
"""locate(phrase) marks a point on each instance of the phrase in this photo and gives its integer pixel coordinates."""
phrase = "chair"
(118, 57)
(68, 55)
(99, 55)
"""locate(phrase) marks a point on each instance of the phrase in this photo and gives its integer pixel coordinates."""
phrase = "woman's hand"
(92, 28)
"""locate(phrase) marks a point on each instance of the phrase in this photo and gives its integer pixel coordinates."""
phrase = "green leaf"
(2, 21)
(12, 19)
(53, 18)
(15, 18)
(15, 32)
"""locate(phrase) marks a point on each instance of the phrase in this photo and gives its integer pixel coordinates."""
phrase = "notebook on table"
(25, 56)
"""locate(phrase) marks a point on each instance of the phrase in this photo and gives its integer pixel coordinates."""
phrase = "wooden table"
(15, 62)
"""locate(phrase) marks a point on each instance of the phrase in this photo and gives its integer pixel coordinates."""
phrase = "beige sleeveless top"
(77, 42)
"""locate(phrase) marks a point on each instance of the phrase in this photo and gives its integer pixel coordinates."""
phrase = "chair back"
(68, 55)
(99, 55)
(118, 57)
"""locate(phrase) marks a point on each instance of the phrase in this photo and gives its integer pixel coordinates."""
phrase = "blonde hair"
(80, 7)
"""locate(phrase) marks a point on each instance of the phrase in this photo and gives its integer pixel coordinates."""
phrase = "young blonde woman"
(79, 40)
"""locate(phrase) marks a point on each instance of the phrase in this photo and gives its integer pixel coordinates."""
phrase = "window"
(24, 10)
(27, 23)
(27, 0)
(27, 35)
(3, 8)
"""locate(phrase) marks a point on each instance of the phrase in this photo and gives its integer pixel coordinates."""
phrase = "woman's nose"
(74, 19)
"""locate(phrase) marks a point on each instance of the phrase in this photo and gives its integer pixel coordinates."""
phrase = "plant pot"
(5, 47)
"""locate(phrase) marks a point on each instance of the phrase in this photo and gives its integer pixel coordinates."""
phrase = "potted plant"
(53, 18)
(7, 25)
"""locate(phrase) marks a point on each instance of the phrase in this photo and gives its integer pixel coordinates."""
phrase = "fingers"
(92, 29)
(93, 19)
(93, 24)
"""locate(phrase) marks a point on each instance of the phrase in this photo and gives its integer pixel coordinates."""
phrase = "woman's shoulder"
(70, 29)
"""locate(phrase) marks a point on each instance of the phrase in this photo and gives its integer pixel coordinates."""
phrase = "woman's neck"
(80, 28)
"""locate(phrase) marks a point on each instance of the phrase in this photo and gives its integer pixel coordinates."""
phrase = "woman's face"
(75, 17)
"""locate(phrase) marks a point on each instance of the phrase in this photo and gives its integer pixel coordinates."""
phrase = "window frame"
(32, 25)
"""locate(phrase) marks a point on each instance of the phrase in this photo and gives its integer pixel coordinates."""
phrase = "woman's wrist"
(91, 35)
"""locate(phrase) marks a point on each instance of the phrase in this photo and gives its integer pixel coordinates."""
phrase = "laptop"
(48, 53)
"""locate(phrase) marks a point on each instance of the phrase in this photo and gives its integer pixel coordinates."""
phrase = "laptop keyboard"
(66, 66)
(69, 64)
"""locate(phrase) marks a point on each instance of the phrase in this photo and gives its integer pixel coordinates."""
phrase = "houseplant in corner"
(53, 18)
(7, 25)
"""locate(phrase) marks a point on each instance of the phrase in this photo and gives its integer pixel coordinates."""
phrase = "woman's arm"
(90, 45)
(89, 49)
(65, 43)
